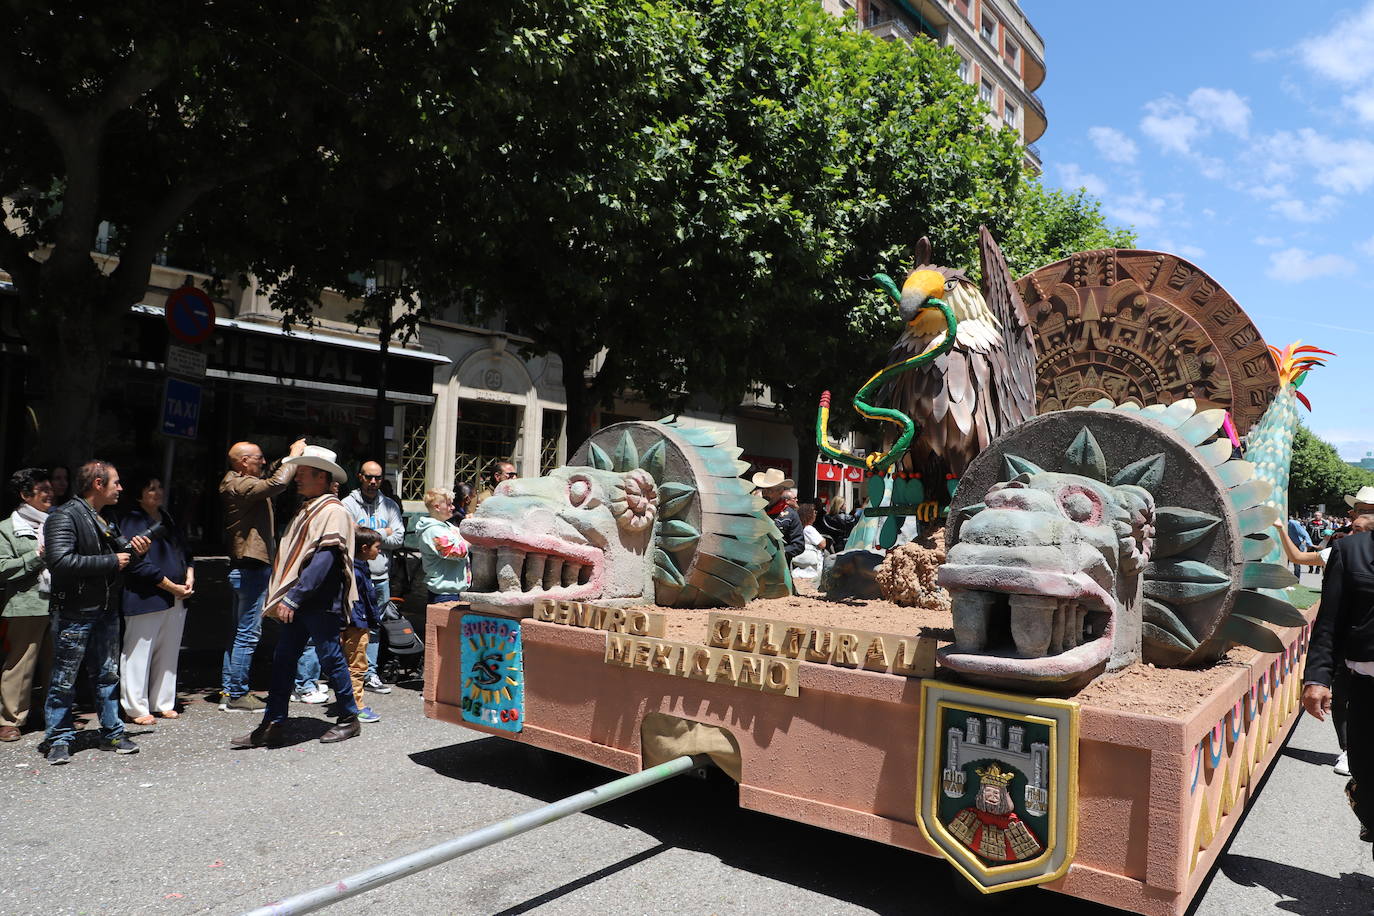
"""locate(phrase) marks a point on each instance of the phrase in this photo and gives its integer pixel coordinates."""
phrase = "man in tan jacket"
(249, 529)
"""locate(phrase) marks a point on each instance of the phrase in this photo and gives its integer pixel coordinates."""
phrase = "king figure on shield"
(991, 827)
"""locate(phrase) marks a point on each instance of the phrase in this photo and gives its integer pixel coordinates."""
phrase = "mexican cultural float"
(1080, 688)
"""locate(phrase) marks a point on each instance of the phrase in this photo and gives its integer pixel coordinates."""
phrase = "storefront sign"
(598, 617)
(717, 666)
(909, 656)
(180, 409)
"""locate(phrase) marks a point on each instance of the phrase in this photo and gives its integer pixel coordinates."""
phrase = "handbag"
(399, 637)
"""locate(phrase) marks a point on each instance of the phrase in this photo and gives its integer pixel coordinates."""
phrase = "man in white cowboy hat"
(1342, 648)
(773, 485)
(311, 591)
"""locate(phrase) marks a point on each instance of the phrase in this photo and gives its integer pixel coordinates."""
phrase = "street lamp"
(387, 278)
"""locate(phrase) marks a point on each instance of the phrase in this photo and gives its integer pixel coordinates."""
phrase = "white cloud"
(1296, 265)
(1073, 176)
(1307, 211)
(1138, 209)
(1362, 103)
(1222, 107)
(1346, 52)
(1169, 125)
(1268, 191)
(1183, 249)
(1113, 145)
(1366, 247)
(1268, 241)
(1343, 166)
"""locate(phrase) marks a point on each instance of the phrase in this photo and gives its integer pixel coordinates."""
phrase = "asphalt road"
(188, 826)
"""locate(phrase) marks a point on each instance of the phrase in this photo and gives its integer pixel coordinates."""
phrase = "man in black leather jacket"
(1343, 634)
(89, 560)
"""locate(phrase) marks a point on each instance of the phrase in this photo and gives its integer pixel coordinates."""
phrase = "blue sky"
(1240, 136)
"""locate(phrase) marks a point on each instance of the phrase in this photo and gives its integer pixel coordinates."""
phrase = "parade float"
(1113, 664)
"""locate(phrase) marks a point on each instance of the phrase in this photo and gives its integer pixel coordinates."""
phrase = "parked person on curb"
(496, 473)
(153, 618)
(24, 587)
(773, 487)
(364, 617)
(251, 530)
(443, 552)
(807, 564)
(89, 562)
(371, 509)
(311, 592)
(60, 476)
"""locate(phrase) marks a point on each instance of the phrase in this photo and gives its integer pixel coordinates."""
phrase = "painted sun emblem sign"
(998, 791)
(492, 670)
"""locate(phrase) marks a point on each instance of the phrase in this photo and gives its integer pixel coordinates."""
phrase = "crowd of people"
(95, 573)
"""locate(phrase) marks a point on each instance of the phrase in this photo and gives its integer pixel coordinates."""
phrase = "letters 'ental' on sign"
(909, 656)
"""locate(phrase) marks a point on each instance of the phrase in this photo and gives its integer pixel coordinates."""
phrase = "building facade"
(999, 51)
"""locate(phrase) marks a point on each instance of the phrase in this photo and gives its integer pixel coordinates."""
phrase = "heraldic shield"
(998, 788)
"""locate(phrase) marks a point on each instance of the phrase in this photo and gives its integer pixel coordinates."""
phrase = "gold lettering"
(637, 622)
(766, 644)
(662, 657)
(725, 667)
(615, 621)
(778, 675)
(643, 653)
(587, 614)
(567, 612)
(876, 654)
(701, 661)
(720, 632)
(819, 645)
(846, 653)
(544, 609)
(618, 650)
(740, 642)
(793, 642)
(751, 670)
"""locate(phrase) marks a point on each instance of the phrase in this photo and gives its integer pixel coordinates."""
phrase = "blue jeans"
(323, 627)
(93, 639)
(250, 588)
(374, 638)
(308, 668)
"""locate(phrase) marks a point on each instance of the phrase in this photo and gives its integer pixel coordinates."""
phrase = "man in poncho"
(311, 592)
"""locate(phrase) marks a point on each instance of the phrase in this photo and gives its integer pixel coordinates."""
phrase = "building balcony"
(1035, 122)
(1033, 161)
(891, 29)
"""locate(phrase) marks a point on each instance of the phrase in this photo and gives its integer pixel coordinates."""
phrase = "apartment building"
(999, 51)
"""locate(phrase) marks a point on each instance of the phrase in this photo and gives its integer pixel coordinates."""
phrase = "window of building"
(1012, 51)
(965, 69)
(551, 432)
(986, 92)
(1009, 113)
(987, 27)
(962, 7)
(486, 432)
(876, 14)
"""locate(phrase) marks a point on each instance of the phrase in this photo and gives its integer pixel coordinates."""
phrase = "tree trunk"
(70, 332)
(581, 403)
(807, 452)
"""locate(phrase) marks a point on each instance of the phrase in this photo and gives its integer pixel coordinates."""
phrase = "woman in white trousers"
(153, 618)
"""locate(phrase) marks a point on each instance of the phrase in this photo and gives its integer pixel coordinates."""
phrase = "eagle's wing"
(1012, 399)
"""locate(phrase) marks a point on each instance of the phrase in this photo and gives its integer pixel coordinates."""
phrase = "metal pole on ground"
(377, 875)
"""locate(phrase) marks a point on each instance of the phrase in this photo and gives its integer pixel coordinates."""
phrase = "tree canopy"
(1319, 476)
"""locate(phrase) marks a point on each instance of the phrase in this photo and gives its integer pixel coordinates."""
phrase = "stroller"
(401, 654)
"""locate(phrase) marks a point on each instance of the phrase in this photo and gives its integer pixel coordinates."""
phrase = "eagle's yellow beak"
(917, 291)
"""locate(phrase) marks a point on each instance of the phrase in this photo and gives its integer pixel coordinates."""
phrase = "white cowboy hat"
(1363, 498)
(770, 478)
(317, 456)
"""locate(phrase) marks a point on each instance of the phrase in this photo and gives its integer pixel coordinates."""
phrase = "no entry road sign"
(190, 315)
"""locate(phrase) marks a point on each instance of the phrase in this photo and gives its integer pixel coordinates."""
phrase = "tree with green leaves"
(1318, 475)
(148, 118)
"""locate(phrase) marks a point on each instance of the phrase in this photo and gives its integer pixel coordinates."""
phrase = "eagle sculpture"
(950, 397)
(979, 388)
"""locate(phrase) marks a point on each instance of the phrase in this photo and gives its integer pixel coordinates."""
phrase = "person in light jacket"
(24, 587)
(443, 552)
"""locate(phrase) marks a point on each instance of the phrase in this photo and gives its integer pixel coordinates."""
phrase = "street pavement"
(189, 826)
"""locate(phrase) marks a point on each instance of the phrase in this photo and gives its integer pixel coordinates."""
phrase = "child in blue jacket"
(365, 616)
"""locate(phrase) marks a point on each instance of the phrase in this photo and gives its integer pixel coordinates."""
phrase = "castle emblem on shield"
(998, 787)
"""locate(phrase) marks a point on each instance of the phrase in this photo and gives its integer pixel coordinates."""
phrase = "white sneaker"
(310, 696)
(1342, 767)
